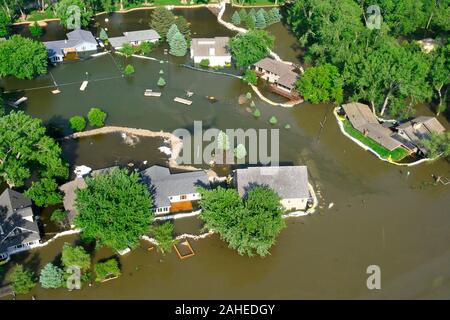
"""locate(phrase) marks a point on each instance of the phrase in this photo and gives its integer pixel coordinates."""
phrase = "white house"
(289, 182)
(78, 41)
(18, 230)
(213, 49)
(173, 192)
(134, 38)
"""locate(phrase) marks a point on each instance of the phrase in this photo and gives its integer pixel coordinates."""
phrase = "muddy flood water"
(393, 217)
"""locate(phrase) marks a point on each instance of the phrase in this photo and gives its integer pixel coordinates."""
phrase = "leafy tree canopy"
(22, 58)
(249, 226)
(67, 16)
(164, 236)
(96, 117)
(75, 256)
(251, 47)
(44, 192)
(109, 268)
(437, 144)
(25, 147)
(114, 209)
(4, 24)
(22, 280)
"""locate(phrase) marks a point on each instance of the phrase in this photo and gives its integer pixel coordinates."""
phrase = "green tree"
(44, 192)
(178, 45)
(164, 236)
(109, 268)
(183, 27)
(52, 277)
(260, 21)
(96, 117)
(161, 82)
(127, 50)
(251, 47)
(129, 70)
(22, 58)
(103, 35)
(114, 209)
(236, 18)
(273, 120)
(161, 19)
(250, 77)
(145, 47)
(243, 15)
(322, 83)
(22, 280)
(24, 147)
(250, 21)
(173, 30)
(5, 21)
(204, 63)
(440, 75)
(250, 226)
(66, 15)
(77, 123)
(35, 30)
(75, 256)
(437, 144)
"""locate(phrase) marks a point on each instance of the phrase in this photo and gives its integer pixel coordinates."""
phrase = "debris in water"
(144, 162)
(165, 150)
(81, 171)
(130, 140)
(331, 205)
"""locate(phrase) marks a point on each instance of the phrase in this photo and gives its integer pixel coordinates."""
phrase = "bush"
(96, 117)
(287, 126)
(77, 123)
(161, 82)
(127, 50)
(21, 280)
(145, 47)
(129, 70)
(164, 236)
(107, 269)
(58, 215)
(257, 113)
(75, 256)
(35, 30)
(204, 63)
(250, 77)
(51, 277)
(273, 120)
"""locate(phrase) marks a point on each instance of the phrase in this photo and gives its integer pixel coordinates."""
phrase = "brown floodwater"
(385, 215)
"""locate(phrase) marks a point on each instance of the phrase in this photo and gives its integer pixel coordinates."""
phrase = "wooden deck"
(183, 206)
(293, 95)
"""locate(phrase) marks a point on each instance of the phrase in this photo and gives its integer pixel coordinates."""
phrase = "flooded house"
(18, 229)
(215, 50)
(78, 42)
(417, 129)
(134, 38)
(281, 77)
(362, 119)
(289, 182)
(174, 192)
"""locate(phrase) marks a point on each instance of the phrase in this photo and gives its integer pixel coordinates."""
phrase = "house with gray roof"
(280, 75)
(134, 38)
(18, 230)
(418, 129)
(215, 50)
(289, 182)
(173, 192)
(78, 41)
(363, 120)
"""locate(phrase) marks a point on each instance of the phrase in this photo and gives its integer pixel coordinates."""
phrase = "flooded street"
(385, 215)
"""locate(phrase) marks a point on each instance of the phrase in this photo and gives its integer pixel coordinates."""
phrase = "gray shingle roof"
(142, 35)
(162, 184)
(201, 46)
(74, 38)
(363, 120)
(118, 42)
(289, 182)
(287, 77)
(15, 210)
(81, 36)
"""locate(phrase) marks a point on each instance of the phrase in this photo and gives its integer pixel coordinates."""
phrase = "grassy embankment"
(394, 155)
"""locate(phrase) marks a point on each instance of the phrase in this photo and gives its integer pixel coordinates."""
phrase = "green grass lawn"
(36, 15)
(394, 155)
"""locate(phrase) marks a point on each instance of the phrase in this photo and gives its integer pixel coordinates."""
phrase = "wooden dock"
(183, 101)
(185, 251)
(84, 85)
(151, 93)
